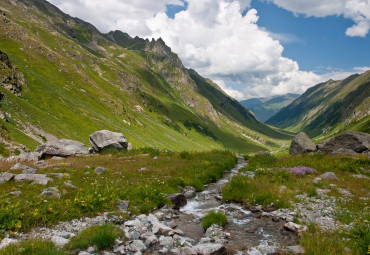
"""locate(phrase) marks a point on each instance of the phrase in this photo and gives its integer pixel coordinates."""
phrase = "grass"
(273, 172)
(102, 236)
(133, 176)
(214, 218)
(32, 247)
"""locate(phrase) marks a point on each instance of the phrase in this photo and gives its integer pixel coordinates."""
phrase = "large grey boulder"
(210, 249)
(347, 141)
(62, 148)
(5, 177)
(105, 139)
(41, 179)
(301, 143)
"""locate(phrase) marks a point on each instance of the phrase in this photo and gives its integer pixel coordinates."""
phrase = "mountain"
(62, 78)
(329, 107)
(266, 107)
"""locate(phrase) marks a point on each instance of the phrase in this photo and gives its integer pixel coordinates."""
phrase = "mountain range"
(329, 108)
(62, 78)
(266, 107)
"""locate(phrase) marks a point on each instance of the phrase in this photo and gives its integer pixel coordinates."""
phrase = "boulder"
(104, 139)
(178, 199)
(62, 148)
(210, 249)
(347, 142)
(5, 177)
(99, 170)
(36, 178)
(296, 249)
(50, 192)
(301, 143)
(328, 176)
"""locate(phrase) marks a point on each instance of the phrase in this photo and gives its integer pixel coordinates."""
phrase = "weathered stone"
(177, 199)
(19, 166)
(301, 143)
(62, 148)
(36, 178)
(16, 193)
(29, 170)
(166, 241)
(6, 241)
(137, 245)
(104, 139)
(297, 249)
(59, 241)
(328, 176)
(190, 194)
(69, 185)
(99, 170)
(123, 205)
(210, 249)
(187, 251)
(347, 141)
(50, 192)
(293, 227)
(5, 177)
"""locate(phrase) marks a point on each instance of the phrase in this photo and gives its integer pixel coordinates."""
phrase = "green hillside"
(329, 108)
(77, 81)
(266, 107)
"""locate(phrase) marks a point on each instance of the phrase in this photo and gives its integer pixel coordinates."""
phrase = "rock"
(293, 227)
(29, 170)
(62, 148)
(328, 176)
(104, 139)
(137, 245)
(159, 215)
(123, 205)
(297, 249)
(151, 240)
(177, 199)
(360, 176)
(16, 193)
(59, 241)
(187, 251)
(190, 194)
(99, 170)
(50, 192)
(7, 241)
(166, 241)
(301, 144)
(57, 158)
(19, 166)
(210, 249)
(69, 185)
(28, 156)
(36, 178)
(256, 209)
(347, 141)
(5, 177)
(161, 228)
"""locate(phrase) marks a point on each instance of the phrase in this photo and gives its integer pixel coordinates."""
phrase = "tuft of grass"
(32, 247)
(317, 242)
(214, 218)
(102, 236)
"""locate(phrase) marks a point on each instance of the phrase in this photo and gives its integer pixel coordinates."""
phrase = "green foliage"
(102, 236)
(260, 160)
(214, 218)
(360, 234)
(139, 178)
(32, 247)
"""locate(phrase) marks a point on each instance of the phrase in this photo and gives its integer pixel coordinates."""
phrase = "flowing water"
(250, 233)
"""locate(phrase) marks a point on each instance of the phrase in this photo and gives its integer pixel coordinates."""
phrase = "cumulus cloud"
(214, 38)
(357, 10)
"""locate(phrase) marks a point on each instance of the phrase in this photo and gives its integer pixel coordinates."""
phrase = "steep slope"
(329, 107)
(266, 107)
(77, 81)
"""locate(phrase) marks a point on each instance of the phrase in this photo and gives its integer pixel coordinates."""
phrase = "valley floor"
(280, 204)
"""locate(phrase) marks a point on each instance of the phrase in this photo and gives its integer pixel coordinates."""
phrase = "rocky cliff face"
(10, 78)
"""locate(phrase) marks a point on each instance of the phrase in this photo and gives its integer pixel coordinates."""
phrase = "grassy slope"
(328, 107)
(74, 90)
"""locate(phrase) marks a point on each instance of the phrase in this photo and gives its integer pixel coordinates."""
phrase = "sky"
(250, 48)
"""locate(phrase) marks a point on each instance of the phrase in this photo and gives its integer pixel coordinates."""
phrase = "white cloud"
(215, 39)
(357, 10)
(230, 91)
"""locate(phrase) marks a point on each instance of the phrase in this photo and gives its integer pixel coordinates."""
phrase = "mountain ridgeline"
(66, 79)
(329, 108)
(266, 107)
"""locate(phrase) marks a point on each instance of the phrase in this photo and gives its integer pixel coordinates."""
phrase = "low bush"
(102, 236)
(32, 247)
(214, 218)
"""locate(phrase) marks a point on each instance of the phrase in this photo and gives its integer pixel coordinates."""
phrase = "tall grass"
(32, 247)
(214, 218)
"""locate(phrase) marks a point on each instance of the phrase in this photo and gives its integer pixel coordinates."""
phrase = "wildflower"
(302, 170)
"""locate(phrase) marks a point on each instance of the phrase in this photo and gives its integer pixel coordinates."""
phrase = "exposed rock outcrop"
(348, 142)
(105, 139)
(301, 143)
(62, 148)
(178, 199)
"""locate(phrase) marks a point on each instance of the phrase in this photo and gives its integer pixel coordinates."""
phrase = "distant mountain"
(266, 107)
(60, 77)
(329, 107)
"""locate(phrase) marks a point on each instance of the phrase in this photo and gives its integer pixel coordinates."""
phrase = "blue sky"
(250, 48)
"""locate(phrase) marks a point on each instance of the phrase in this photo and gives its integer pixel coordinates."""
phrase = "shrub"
(32, 247)
(102, 236)
(214, 218)
(302, 170)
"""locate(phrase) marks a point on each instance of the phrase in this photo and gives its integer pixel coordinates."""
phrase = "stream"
(251, 233)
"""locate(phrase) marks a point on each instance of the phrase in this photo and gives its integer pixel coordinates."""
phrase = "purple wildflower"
(302, 170)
